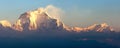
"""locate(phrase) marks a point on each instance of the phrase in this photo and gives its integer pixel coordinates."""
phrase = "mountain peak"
(5, 23)
(100, 27)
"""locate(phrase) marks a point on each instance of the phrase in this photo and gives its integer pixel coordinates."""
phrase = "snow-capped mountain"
(39, 19)
(36, 19)
(100, 28)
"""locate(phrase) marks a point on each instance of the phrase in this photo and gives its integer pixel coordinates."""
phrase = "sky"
(80, 13)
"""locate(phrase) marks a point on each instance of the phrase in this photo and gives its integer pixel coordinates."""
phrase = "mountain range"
(39, 19)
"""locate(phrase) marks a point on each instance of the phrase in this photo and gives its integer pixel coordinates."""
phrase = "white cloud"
(54, 12)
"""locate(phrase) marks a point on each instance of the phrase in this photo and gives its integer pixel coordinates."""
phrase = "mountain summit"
(36, 19)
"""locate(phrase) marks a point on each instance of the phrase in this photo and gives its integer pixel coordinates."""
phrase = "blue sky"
(81, 13)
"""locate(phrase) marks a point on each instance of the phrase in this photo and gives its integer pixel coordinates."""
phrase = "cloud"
(54, 12)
